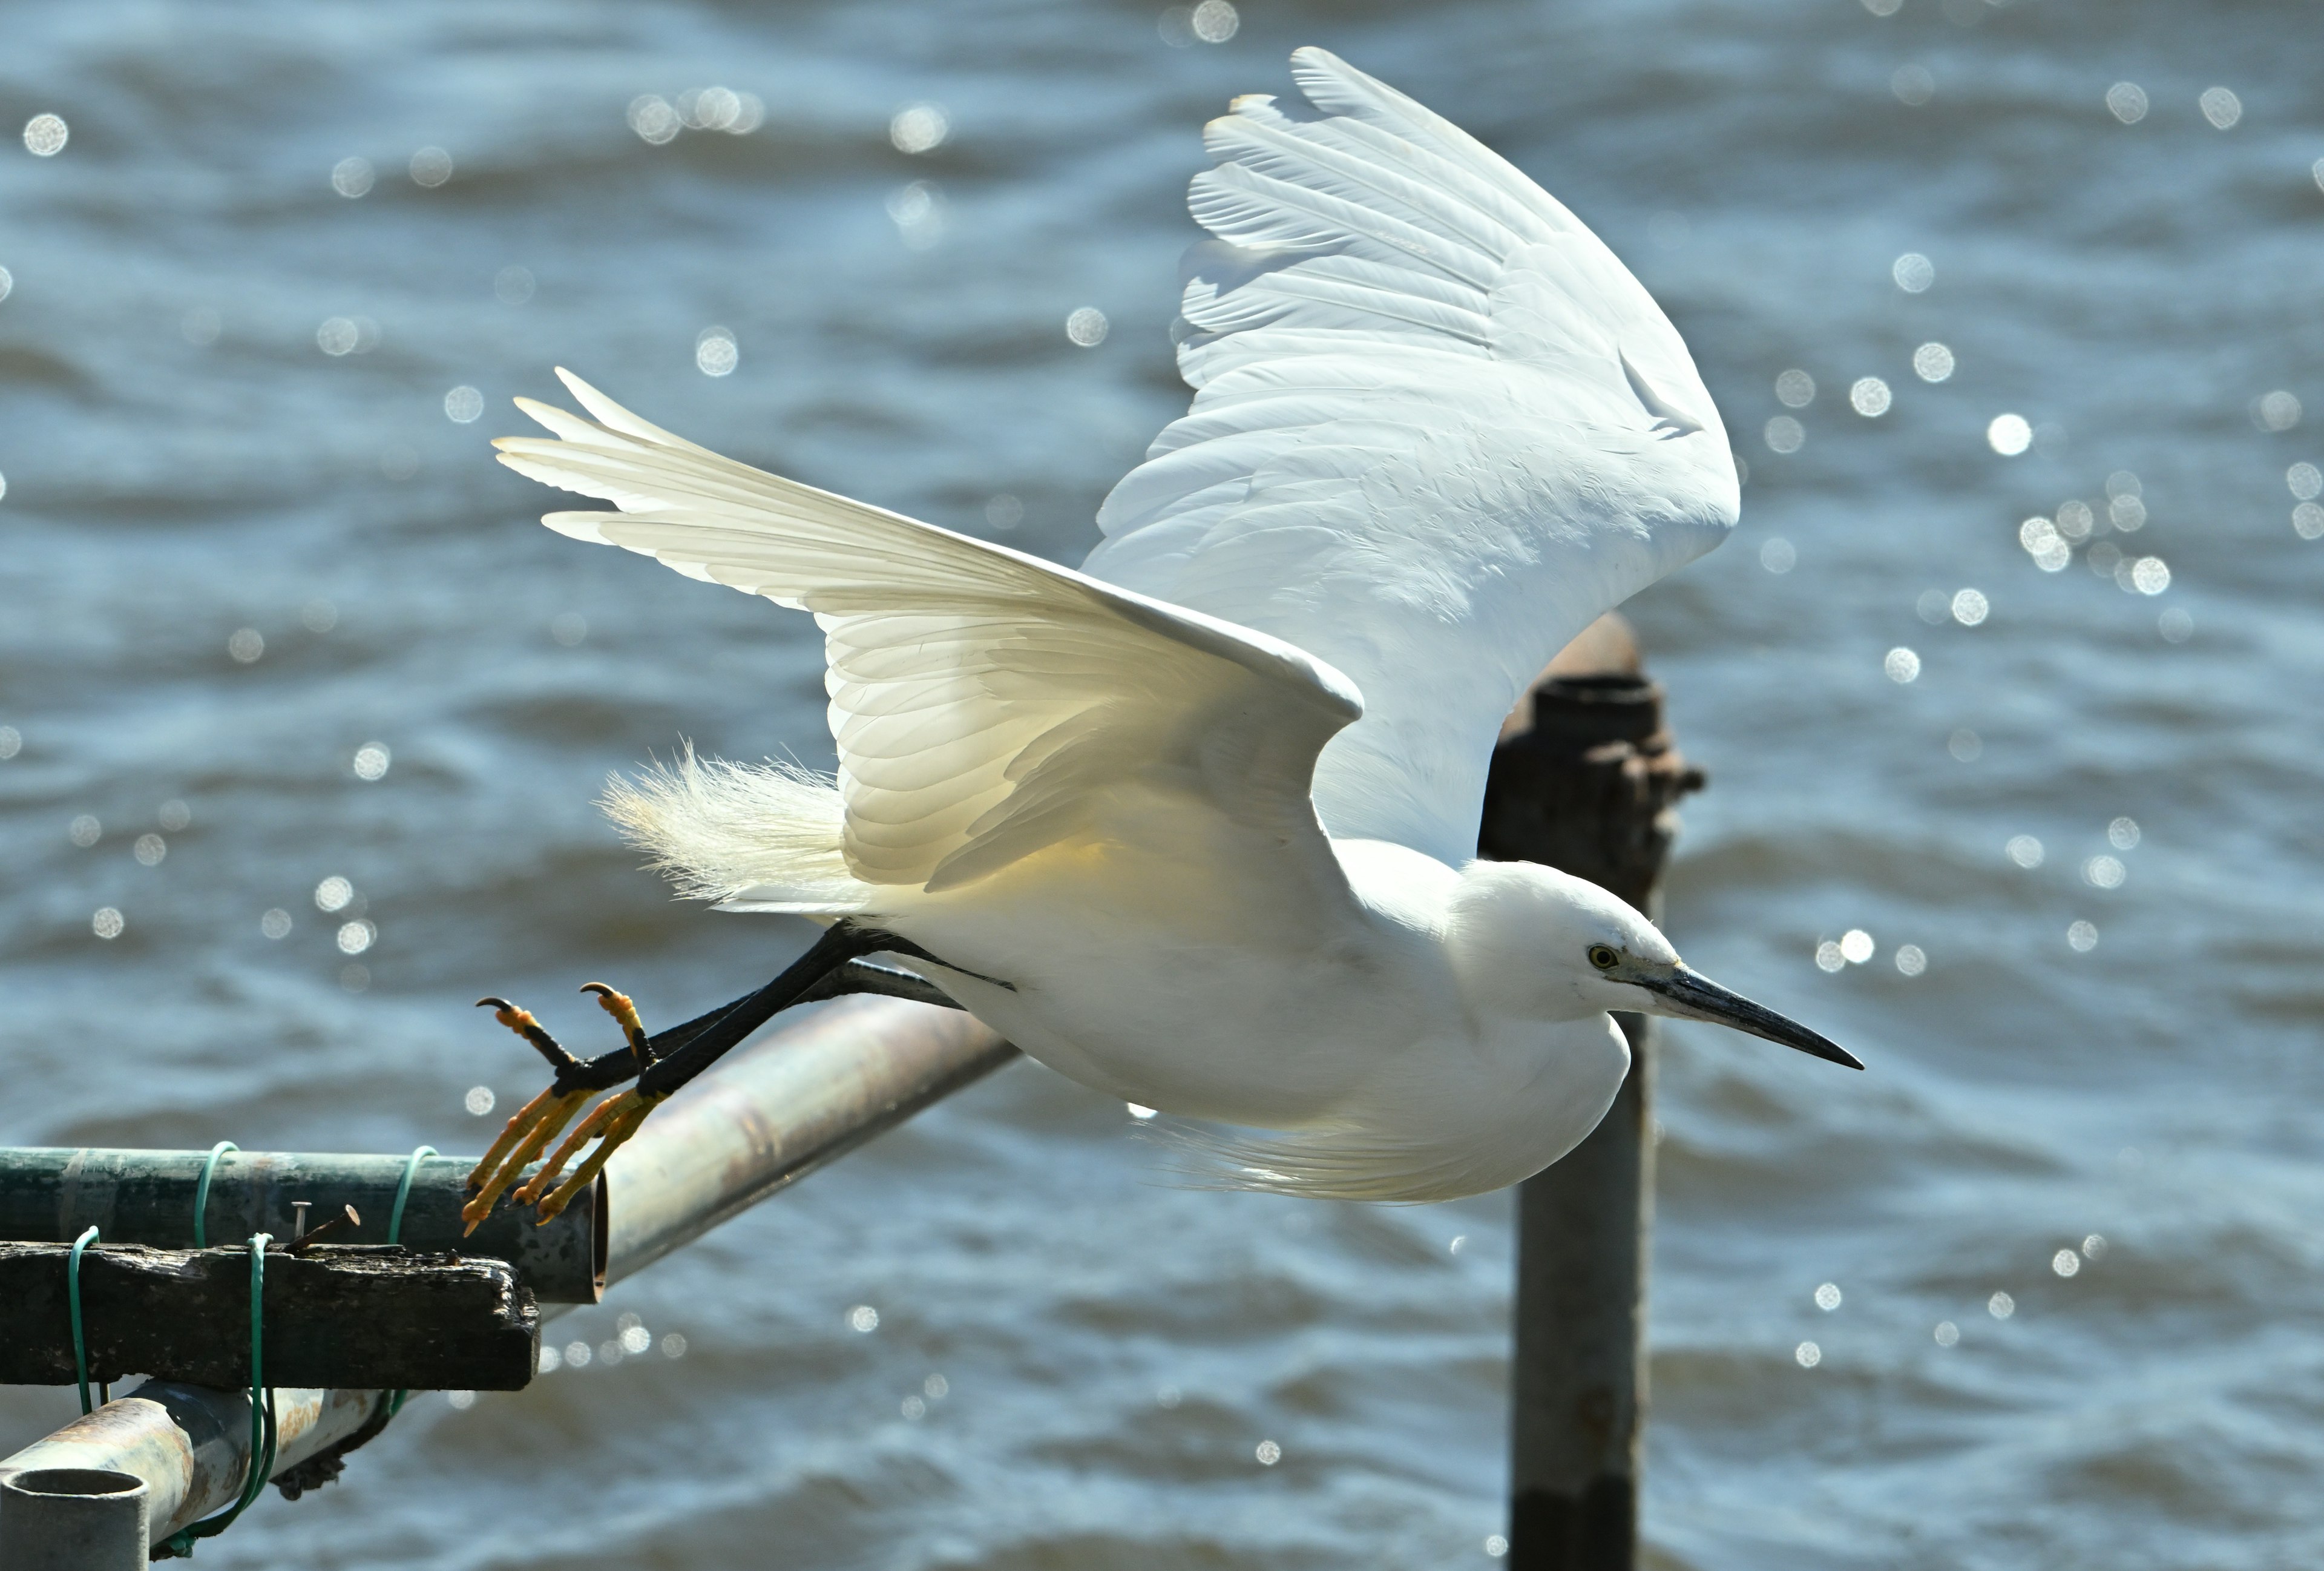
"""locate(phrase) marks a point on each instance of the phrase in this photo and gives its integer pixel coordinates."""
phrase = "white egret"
(1196, 824)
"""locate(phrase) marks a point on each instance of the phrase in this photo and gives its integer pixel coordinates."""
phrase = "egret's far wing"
(1437, 428)
(983, 700)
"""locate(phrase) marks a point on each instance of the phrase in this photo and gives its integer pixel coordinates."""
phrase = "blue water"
(184, 461)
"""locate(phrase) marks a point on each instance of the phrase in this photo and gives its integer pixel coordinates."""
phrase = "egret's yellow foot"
(611, 1123)
(538, 1122)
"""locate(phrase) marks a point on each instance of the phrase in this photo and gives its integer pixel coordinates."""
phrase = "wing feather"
(1437, 428)
(982, 700)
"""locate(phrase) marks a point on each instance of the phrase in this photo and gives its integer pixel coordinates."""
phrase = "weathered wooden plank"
(348, 1317)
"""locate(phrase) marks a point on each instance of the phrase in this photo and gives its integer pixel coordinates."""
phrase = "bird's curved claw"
(611, 1123)
(543, 1119)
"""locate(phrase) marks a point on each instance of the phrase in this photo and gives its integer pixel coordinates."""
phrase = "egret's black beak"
(1688, 994)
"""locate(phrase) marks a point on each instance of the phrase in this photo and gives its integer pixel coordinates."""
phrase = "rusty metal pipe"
(764, 1118)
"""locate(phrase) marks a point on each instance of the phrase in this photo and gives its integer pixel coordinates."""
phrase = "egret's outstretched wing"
(1437, 428)
(983, 700)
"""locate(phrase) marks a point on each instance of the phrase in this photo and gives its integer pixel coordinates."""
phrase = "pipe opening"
(75, 1481)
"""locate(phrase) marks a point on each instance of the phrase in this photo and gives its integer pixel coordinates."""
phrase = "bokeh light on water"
(191, 454)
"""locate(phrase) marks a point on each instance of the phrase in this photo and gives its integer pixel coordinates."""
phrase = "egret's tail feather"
(1338, 1163)
(754, 837)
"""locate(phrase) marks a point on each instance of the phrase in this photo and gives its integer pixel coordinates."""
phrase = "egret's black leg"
(832, 966)
(820, 973)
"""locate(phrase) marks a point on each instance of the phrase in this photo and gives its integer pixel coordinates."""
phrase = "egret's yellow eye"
(1602, 957)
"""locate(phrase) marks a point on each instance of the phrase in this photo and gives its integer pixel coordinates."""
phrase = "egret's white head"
(1531, 942)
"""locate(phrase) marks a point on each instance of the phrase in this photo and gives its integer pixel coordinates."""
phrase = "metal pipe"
(191, 1445)
(47, 1195)
(73, 1519)
(765, 1117)
(777, 1111)
(1587, 785)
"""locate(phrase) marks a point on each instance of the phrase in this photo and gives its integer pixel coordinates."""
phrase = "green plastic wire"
(404, 1192)
(202, 1190)
(396, 1399)
(72, 1301)
(264, 1430)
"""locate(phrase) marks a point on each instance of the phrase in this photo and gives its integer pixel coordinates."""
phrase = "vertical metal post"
(1584, 780)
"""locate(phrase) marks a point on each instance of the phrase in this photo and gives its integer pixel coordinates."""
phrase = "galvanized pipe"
(189, 1444)
(765, 1117)
(47, 1195)
(774, 1113)
(73, 1519)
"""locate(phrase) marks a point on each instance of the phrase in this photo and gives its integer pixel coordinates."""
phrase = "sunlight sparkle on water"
(716, 352)
(107, 923)
(2094, 1246)
(2126, 102)
(334, 894)
(2276, 411)
(463, 404)
(430, 167)
(1933, 361)
(1828, 1296)
(1779, 555)
(2104, 873)
(479, 1100)
(174, 815)
(2123, 834)
(1785, 435)
(1267, 1451)
(12, 743)
(1970, 608)
(1965, 744)
(276, 924)
(2308, 521)
(85, 831)
(2305, 481)
(2065, 1262)
(1901, 664)
(1856, 945)
(2221, 108)
(2045, 544)
(1087, 327)
(1914, 273)
(245, 645)
(2009, 435)
(1910, 960)
(351, 177)
(919, 128)
(1869, 397)
(650, 114)
(2001, 1306)
(355, 938)
(371, 761)
(2024, 850)
(1807, 1355)
(864, 1318)
(1827, 956)
(45, 136)
(1496, 1546)
(2076, 521)
(1947, 1333)
(150, 849)
(1795, 389)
